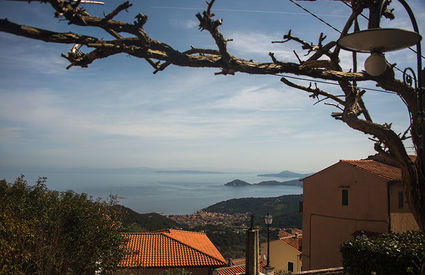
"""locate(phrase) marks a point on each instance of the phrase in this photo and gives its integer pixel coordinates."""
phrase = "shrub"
(393, 253)
(50, 232)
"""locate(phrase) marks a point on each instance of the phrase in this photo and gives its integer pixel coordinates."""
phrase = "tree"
(322, 62)
(47, 232)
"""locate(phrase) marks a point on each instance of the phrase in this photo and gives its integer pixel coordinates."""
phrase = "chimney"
(252, 250)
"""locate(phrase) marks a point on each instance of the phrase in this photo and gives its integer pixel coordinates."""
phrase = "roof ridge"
(180, 230)
(142, 233)
(236, 265)
(194, 248)
(369, 171)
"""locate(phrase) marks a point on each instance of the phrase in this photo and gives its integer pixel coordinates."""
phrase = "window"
(291, 266)
(344, 197)
(400, 199)
(300, 206)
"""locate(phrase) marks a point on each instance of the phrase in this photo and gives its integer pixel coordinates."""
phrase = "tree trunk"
(414, 187)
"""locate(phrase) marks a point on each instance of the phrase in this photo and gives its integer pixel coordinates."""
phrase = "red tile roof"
(170, 248)
(239, 261)
(378, 168)
(293, 231)
(294, 241)
(231, 270)
(234, 270)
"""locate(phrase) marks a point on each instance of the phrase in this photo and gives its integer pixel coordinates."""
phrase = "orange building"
(348, 197)
(154, 252)
(285, 253)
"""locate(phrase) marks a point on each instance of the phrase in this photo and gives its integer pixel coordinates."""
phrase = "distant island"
(285, 174)
(240, 183)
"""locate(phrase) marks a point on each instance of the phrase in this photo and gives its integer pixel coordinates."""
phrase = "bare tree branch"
(313, 92)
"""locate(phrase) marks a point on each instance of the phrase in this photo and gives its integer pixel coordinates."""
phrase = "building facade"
(285, 253)
(348, 197)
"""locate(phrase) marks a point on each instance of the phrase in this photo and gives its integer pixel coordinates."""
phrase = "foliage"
(393, 253)
(50, 232)
(176, 271)
(229, 242)
(136, 222)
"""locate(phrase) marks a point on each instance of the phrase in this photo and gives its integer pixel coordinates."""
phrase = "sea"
(169, 192)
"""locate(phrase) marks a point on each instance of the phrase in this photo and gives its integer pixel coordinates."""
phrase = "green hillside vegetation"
(231, 243)
(284, 209)
(136, 222)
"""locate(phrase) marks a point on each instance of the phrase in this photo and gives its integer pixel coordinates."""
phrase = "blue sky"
(117, 114)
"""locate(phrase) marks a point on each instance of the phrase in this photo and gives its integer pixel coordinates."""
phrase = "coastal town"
(201, 217)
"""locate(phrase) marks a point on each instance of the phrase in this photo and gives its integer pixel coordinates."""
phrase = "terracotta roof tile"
(239, 261)
(171, 248)
(231, 270)
(378, 168)
(294, 241)
(234, 270)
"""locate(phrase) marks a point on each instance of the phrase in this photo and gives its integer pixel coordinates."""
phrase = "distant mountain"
(239, 183)
(284, 209)
(285, 174)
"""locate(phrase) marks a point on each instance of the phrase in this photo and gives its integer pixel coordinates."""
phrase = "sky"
(117, 114)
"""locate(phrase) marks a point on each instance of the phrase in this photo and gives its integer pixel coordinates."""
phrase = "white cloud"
(33, 56)
(259, 45)
(184, 24)
(45, 111)
(260, 98)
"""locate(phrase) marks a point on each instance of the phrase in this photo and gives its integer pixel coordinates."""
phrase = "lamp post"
(377, 41)
(268, 219)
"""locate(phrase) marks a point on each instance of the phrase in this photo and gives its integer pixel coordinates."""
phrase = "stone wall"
(327, 271)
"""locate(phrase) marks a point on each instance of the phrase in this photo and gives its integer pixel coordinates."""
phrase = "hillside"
(284, 209)
(241, 183)
(136, 222)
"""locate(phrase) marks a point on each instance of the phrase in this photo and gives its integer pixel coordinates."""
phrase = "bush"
(50, 232)
(393, 253)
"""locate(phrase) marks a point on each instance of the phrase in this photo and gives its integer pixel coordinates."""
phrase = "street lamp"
(377, 41)
(268, 219)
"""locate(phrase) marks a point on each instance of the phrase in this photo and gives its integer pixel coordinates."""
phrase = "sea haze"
(150, 190)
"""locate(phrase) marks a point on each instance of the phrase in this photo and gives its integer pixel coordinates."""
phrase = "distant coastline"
(241, 183)
(188, 172)
(286, 174)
